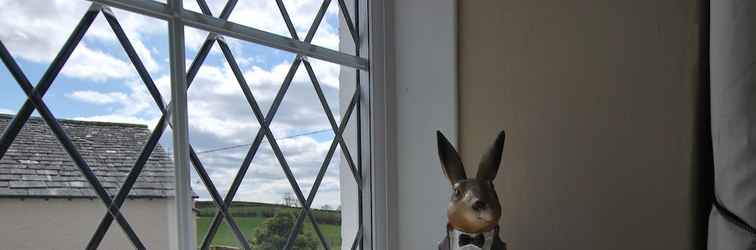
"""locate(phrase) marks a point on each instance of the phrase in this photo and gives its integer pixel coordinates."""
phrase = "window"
(254, 113)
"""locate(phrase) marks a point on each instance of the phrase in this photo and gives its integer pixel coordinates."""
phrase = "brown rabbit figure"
(474, 208)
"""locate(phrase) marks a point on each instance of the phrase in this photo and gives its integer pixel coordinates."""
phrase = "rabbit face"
(474, 206)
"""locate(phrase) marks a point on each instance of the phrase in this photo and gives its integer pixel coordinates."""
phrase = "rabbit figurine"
(474, 208)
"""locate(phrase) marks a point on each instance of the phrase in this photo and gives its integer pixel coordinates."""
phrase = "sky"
(99, 83)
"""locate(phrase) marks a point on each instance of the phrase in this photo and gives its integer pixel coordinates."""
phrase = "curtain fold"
(733, 123)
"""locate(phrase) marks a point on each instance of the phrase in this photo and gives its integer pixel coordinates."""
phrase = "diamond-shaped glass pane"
(327, 34)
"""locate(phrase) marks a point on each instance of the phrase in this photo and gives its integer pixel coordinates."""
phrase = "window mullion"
(179, 116)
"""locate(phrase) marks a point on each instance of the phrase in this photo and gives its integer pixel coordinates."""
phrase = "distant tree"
(327, 217)
(326, 207)
(273, 233)
(289, 200)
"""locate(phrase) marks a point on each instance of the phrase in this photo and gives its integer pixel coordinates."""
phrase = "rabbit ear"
(489, 165)
(450, 161)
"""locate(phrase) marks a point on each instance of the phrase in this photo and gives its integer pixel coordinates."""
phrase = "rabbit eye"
(456, 192)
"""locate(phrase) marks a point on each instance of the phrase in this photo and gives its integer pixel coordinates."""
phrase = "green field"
(248, 221)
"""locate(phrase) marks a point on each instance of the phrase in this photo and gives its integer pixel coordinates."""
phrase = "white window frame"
(381, 211)
(372, 110)
(413, 47)
(374, 161)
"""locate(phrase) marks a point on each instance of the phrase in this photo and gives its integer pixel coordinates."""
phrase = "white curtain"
(733, 117)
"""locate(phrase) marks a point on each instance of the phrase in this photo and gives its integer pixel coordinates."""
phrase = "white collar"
(454, 239)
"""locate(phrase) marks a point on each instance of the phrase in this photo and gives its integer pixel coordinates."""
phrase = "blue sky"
(99, 83)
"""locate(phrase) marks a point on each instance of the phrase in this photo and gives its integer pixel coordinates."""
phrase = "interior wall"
(423, 99)
(599, 101)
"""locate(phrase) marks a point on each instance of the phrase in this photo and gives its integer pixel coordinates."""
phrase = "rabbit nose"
(478, 205)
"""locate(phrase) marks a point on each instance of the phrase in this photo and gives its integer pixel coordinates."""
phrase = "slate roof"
(36, 165)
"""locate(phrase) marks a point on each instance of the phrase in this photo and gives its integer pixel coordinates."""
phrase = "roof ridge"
(83, 122)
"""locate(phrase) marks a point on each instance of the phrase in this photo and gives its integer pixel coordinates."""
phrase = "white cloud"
(326, 72)
(34, 38)
(7, 111)
(36, 31)
(137, 28)
(145, 55)
(135, 106)
(106, 67)
(95, 97)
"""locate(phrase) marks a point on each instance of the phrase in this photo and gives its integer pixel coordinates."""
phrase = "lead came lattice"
(113, 204)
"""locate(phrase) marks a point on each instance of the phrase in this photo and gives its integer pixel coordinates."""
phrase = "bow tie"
(465, 239)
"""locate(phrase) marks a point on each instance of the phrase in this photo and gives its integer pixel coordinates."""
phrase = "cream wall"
(61, 224)
(599, 102)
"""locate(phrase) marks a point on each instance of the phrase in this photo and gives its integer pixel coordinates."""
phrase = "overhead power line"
(229, 147)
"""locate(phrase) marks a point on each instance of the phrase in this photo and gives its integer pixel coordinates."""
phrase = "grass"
(247, 223)
(257, 209)
(225, 237)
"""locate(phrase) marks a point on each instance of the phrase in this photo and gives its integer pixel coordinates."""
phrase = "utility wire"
(224, 148)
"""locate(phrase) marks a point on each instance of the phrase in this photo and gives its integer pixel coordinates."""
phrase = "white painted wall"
(61, 224)
(424, 65)
(420, 98)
